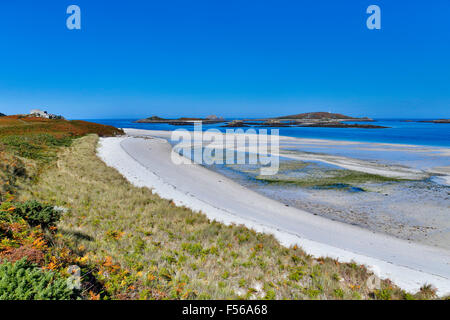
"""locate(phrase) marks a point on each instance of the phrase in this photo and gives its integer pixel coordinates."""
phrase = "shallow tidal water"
(418, 211)
(414, 210)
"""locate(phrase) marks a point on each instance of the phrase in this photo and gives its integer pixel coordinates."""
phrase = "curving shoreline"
(146, 163)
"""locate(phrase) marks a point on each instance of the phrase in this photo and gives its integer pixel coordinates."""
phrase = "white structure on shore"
(44, 114)
(39, 113)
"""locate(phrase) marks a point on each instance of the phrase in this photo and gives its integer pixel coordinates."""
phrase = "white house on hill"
(39, 113)
(44, 114)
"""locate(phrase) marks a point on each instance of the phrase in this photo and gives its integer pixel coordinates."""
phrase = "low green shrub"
(5, 213)
(24, 281)
(33, 146)
(383, 294)
(36, 213)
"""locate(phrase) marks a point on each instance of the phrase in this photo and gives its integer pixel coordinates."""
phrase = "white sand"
(147, 163)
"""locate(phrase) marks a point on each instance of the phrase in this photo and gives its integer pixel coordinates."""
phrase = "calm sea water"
(401, 132)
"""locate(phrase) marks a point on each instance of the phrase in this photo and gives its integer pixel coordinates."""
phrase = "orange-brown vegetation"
(12, 125)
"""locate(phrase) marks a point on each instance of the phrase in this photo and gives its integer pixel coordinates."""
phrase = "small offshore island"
(310, 119)
(431, 121)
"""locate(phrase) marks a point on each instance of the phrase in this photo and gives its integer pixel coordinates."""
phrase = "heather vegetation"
(34, 260)
(71, 209)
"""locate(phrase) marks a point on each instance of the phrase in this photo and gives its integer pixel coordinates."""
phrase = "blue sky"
(231, 58)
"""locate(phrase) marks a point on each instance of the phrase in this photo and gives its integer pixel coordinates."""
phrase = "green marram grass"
(35, 146)
(172, 252)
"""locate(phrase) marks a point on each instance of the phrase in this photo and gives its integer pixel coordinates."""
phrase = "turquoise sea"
(399, 131)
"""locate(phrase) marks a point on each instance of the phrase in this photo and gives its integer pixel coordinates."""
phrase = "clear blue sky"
(229, 57)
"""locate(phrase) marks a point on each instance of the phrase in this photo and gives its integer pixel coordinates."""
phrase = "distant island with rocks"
(431, 121)
(182, 121)
(310, 119)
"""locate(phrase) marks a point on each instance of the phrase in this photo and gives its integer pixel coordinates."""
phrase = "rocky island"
(181, 121)
(311, 119)
(322, 116)
(437, 121)
(430, 121)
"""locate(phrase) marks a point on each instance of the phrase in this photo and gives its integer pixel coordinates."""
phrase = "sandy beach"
(323, 147)
(144, 158)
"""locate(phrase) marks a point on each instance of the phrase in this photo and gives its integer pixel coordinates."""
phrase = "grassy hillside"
(131, 244)
(27, 144)
(33, 257)
(26, 125)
